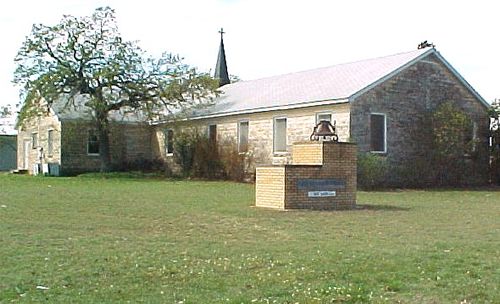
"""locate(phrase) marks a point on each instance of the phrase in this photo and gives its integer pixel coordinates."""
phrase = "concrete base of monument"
(322, 176)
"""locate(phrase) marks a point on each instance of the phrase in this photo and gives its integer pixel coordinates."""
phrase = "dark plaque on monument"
(320, 184)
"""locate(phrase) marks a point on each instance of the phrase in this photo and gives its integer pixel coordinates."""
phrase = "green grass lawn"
(95, 240)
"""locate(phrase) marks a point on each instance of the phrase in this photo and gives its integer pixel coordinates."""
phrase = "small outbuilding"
(8, 144)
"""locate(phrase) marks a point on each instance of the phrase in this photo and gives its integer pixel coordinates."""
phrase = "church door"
(26, 154)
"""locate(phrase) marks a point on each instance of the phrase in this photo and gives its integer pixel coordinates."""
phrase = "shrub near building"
(196, 155)
(450, 159)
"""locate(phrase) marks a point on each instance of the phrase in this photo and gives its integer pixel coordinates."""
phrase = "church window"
(34, 140)
(474, 136)
(323, 116)
(169, 141)
(92, 143)
(243, 136)
(470, 137)
(378, 133)
(212, 134)
(50, 142)
(279, 138)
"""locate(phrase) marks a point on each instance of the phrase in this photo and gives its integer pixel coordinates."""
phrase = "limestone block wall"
(74, 157)
(158, 148)
(322, 176)
(300, 123)
(39, 127)
(128, 143)
(407, 100)
(137, 142)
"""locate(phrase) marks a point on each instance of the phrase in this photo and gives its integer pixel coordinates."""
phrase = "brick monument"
(322, 176)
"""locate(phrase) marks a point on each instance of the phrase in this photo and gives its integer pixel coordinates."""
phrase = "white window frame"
(324, 113)
(165, 141)
(88, 146)
(34, 140)
(274, 135)
(239, 134)
(385, 133)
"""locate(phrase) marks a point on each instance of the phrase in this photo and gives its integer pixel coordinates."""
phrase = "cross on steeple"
(221, 67)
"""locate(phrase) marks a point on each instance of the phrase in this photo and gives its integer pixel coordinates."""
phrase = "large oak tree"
(87, 56)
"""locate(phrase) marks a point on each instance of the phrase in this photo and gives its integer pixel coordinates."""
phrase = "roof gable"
(426, 54)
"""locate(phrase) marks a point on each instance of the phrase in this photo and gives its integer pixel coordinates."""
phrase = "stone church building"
(62, 140)
(380, 104)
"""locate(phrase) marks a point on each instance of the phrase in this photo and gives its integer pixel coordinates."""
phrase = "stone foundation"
(322, 176)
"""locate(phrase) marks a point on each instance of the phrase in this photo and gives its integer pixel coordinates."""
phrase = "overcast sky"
(271, 37)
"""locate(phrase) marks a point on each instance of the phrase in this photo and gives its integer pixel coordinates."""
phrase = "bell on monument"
(324, 130)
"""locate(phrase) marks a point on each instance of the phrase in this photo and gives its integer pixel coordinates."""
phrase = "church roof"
(334, 84)
(74, 109)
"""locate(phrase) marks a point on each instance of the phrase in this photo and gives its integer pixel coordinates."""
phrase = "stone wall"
(27, 153)
(300, 123)
(128, 143)
(408, 100)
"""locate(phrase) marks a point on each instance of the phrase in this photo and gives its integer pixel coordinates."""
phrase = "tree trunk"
(103, 133)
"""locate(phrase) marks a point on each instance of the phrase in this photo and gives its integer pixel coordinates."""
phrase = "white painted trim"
(429, 62)
(88, 135)
(385, 133)
(280, 154)
(274, 134)
(324, 113)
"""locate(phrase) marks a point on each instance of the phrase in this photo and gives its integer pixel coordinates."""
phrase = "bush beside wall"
(198, 157)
